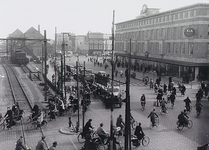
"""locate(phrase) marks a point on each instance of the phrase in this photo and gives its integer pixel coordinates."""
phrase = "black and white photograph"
(104, 75)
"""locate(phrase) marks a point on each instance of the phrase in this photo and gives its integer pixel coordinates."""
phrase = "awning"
(165, 61)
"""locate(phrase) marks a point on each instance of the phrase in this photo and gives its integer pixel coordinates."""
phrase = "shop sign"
(189, 32)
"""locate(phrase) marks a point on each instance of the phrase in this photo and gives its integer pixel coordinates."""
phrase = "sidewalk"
(153, 75)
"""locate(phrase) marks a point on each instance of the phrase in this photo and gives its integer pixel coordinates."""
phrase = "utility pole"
(84, 100)
(78, 91)
(55, 59)
(63, 52)
(45, 60)
(112, 97)
(127, 117)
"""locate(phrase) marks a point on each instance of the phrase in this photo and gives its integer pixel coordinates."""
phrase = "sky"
(75, 16)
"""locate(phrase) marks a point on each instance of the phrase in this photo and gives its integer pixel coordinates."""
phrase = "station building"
(171, 43)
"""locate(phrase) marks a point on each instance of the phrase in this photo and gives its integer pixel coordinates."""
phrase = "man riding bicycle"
(139, 132)
(183, 118)
(187, 103)
(120, 123)
(102, 133)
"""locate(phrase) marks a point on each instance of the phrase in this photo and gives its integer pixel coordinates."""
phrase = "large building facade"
(174, 43)
(98, 42)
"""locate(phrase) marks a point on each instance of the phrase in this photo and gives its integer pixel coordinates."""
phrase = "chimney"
(39, 29)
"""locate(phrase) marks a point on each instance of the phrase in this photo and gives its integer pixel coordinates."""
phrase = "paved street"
(164, 137)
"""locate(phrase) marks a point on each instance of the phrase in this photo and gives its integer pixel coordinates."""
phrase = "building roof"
(32, 33)
(17, 34)
(165, 12)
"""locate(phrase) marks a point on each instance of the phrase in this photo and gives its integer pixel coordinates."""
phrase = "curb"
(67, 130)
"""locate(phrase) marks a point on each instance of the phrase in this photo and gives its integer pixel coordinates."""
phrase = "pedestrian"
(41, 144)
(121, 73)
(20, 144)
(53, 147)
(143, 101)
(152, 116)
(183, 90)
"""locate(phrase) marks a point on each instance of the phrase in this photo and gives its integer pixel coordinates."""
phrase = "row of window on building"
(160, 19)
(174, 48)
(158, 34)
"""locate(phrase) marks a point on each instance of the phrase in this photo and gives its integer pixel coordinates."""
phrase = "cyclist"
(139, 133)
(102, 133)
(183, 118)
(9, 117)
(187, 103)
(87, 127)
(143, 101)
(120, 123)
(152, 116)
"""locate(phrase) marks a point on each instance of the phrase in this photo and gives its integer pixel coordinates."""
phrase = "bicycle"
(81, 136)
(144, 141)
(181, 126)
(133, 122)
(3, 123)
(156, 122)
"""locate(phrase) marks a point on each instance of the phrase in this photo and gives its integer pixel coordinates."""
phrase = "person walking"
(20, 144)
(152, 116)
(143, 101)
(41, 144)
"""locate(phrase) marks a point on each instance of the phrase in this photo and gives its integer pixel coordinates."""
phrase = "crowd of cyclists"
(165, 94)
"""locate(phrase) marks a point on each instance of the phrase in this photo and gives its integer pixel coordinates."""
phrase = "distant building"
(172, 43)
(69, 40)
(98, 42)
(81, 45)
(28, 43)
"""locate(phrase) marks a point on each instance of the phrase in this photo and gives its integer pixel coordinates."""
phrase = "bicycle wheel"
(190, 124)
(3, 124)
(157, 121)
(145, 141)
(134, 124)
(80, 138)
(180, 127)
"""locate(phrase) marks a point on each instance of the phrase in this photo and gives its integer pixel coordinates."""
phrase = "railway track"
(17, 91)
(19, 96)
